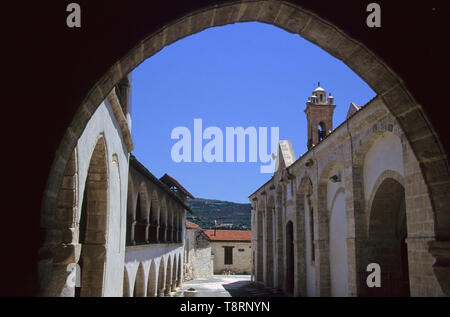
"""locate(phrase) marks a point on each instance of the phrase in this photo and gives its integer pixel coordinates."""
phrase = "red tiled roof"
(191, 225)
(229, 235)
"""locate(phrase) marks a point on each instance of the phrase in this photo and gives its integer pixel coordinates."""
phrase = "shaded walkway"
(228, 286)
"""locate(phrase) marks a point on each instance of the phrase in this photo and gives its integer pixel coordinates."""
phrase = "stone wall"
(197, 251)
(241, 259)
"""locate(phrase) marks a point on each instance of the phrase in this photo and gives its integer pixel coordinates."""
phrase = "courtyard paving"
(228, 286)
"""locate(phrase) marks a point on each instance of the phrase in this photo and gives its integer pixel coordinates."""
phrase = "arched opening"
(152, 281)
(92, 225)
(126, 284)
(338, 245)
(170, 224)
(168, 288)
(386, 242)
(163, 223)
(154, 216)
(151, 285)
(269, 280)
(142, 216)
(174, 274)
(161, 271)
(131, 217)
(139, 231)
(179, 271)
(139, 284)
(322, 133)
(290, 258)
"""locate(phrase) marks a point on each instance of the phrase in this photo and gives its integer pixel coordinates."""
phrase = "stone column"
(299, 246)
(132, 233)
(147, 233)
(279, 240)
(259, 246)
(65, 273)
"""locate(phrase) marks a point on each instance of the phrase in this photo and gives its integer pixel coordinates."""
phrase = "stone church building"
(356, 197)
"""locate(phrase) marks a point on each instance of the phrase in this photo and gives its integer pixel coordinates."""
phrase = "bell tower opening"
(319, 114)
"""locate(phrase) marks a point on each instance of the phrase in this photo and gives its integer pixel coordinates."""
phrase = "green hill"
(228, 215)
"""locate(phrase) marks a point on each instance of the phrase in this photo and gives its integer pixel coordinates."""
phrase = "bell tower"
(319, 114)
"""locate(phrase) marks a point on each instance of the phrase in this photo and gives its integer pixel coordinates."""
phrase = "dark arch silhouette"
(386, 242)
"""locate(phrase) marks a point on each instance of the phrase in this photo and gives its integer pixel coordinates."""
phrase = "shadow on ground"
(251, 289)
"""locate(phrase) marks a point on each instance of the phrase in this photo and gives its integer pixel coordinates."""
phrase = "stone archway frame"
(292, 18)
(371, 135)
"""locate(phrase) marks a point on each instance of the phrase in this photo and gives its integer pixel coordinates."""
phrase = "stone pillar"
(299, 241)
(259, 247)
(440, 250)
(132, 233)
(279, 240)
(65, 274)
(147, 233)
(269, 256)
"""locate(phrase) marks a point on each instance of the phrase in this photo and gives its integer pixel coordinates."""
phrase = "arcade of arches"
(420, 232)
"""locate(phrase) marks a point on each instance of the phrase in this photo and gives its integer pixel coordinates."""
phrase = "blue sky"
(245, 74)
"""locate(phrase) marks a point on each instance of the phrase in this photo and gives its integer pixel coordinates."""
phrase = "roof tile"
(229, 235)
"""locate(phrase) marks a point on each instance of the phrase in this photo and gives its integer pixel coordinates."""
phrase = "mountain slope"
(228, 215)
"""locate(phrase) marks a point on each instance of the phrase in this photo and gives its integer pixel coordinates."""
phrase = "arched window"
(141, 222)
(321, 131)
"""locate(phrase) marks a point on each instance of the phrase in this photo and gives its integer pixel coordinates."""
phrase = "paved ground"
(228, 286)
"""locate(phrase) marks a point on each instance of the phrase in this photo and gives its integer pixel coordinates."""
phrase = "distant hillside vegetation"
(228, 215)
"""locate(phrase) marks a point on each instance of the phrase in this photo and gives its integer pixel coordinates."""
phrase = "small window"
(228, 255)
(241, 250)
